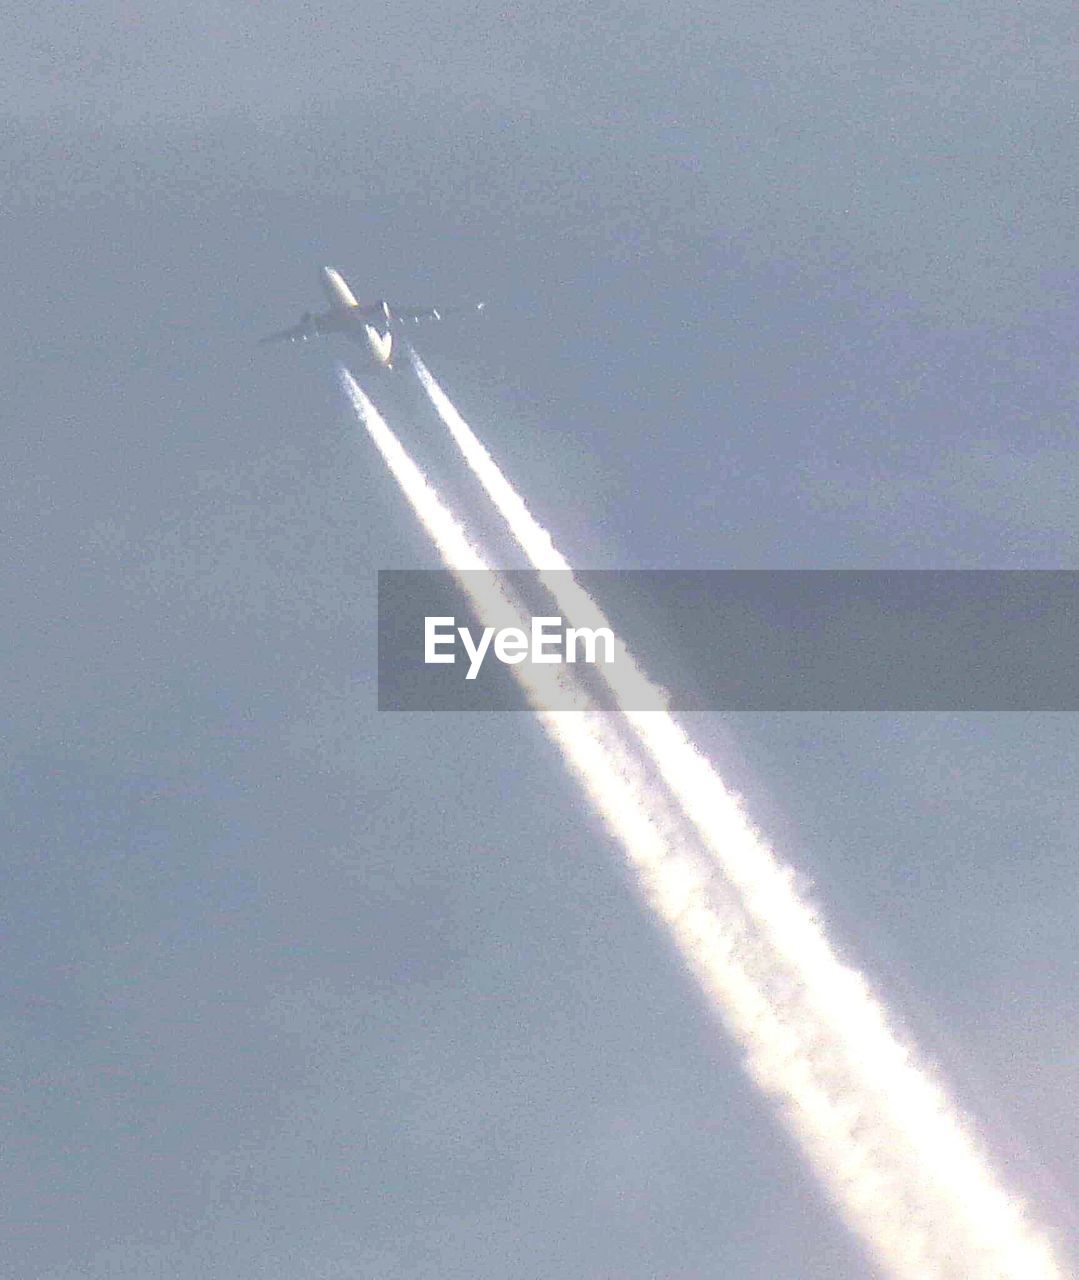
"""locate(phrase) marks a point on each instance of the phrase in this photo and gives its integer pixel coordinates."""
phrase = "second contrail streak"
(902, 1165)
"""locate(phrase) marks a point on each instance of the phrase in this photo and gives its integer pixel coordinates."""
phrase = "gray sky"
(295, 989)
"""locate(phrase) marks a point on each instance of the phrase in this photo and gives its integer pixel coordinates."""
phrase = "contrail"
(903, 1129)
(705, 922)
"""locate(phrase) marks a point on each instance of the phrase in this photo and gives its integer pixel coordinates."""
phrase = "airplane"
(372, 324)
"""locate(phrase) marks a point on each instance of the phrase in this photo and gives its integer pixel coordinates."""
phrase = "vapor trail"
(707, 925)
(904, 1134)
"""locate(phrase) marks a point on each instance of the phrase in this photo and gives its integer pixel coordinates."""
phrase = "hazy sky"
(295, 989)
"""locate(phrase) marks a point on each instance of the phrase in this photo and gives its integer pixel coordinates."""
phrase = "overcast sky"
(296, 989)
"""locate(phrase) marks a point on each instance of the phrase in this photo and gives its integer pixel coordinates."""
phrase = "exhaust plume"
(902, 1164)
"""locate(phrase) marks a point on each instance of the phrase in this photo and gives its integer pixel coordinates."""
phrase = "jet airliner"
(372, 324)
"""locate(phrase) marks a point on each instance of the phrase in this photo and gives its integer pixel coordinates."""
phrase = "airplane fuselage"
(342, 300)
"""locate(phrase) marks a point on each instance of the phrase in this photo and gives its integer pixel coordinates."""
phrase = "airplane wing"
(298, 333)
(310, 326)
(315, 326)
(414, 315)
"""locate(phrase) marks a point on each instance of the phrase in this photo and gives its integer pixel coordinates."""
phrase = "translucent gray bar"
(757, 640)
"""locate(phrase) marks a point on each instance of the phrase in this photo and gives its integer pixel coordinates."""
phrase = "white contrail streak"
(707, 925)
(949, 1217)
